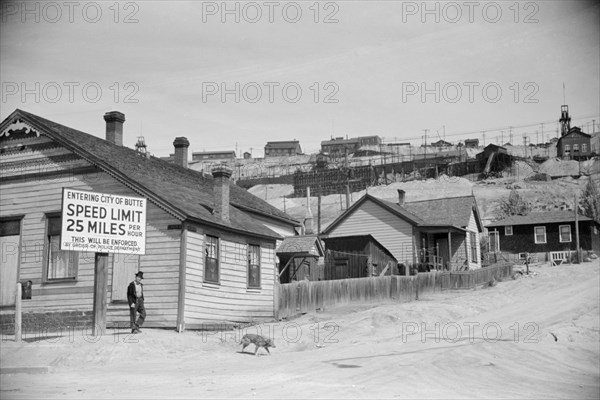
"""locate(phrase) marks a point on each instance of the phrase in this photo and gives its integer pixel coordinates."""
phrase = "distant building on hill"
(339, 145)
(575, 145)
(472, 143)
(283, 148)
(226, 156)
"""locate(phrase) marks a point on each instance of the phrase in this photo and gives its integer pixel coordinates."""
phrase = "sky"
(232, 75)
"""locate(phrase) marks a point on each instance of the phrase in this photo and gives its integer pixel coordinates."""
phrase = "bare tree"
(514, 205)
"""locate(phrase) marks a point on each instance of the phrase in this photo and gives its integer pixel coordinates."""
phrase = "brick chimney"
(181, 145)
(221, 173)
(401, 196)
(114, 127)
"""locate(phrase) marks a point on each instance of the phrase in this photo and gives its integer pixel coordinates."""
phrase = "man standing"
(135, 297)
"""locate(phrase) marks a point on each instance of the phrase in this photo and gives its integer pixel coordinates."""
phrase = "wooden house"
(472, 143)
(209, 245)
(357, 256)
(543, 232)
(574, 145)
(283, 148)
(300, 258)
(442, 233)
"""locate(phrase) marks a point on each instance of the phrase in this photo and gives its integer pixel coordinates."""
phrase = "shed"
(357, 256)
(299, 258)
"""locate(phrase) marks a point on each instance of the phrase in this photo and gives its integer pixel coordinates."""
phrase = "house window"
(508, 230)
(473, 240)
(584, 147)
(211, 261)
(565, 233)
(575, 148)
(253, 266)
(60, 264)
(540, 234)
(567, 148)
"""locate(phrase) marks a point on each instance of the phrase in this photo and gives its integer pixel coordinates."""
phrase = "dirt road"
(535, 337)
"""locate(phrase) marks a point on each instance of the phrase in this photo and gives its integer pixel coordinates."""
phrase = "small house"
(440, 233)
(543, 232)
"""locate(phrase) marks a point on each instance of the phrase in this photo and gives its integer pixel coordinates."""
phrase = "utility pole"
(577, 230)
(483, 134)
(425, 143)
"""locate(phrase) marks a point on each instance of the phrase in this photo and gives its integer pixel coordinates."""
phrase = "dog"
(258, 341)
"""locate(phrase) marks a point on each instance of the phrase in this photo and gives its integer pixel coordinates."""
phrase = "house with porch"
(441, 233)
(209, 245)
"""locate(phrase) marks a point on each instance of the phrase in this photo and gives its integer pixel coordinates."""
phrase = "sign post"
(102, 223)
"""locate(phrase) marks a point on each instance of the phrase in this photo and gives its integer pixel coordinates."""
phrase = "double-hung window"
(60, 264)
(540, 234)
(565, 233)
(211, 260)
(253, 266)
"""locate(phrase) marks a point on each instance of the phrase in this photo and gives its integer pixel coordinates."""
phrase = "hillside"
(543, 195)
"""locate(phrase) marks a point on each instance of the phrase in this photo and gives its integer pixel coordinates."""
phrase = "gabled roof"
(454, 211)
(574, 131)
(283, 144)
(184, 193)
(300, 245)
(536, 218)
(448, 212)
(391, 207)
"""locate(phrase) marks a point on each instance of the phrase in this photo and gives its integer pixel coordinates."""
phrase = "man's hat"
(140, 274)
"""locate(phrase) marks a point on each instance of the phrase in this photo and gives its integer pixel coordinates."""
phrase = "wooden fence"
(307, 296)
(470, 279)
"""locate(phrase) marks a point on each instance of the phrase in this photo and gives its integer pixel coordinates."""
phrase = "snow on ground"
(497, 342)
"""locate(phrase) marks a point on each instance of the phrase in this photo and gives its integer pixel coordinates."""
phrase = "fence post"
(18, 313)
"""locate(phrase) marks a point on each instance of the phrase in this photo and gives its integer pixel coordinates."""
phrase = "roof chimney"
(114, 127)
(181, 145)
(221, 173)
(401, 196)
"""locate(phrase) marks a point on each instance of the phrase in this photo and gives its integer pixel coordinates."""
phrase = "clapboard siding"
(230, 300)
(472, 227)
(34, 197)
(394, 233)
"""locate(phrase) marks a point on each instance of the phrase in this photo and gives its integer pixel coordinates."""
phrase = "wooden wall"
(32, 186)
(472, 227)
(231, 300)
(394, 233)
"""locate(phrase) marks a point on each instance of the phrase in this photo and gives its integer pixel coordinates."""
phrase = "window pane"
(540, 235)
(61, 264)
(253, 266)
(211, 262)
(565, 233)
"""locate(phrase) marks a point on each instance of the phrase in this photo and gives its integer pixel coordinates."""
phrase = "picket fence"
(307, 296)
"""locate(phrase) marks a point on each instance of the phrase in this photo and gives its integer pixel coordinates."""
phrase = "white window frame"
(576, 147)
(535, 235)
(508, 230)
(560, 238)
(584, 147)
